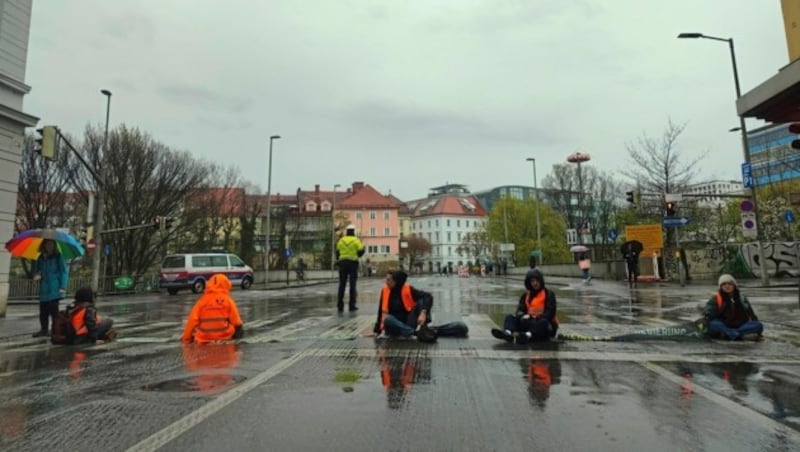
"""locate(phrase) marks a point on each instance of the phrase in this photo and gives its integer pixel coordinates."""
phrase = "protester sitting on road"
(402, 308)
(728, 313)
(88, 326)
(214, 316)
(535, 317)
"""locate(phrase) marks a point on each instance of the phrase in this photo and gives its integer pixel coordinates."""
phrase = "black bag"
(63, 332)
(452, 329)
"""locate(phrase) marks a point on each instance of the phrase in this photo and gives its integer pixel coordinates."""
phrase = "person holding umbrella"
(50, 270)
(630, 251)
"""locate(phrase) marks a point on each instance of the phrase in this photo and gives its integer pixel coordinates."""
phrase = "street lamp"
(745, 144)
(269, 211)
(333, 229)
(538, 218)
(579, 157)
(100, 198)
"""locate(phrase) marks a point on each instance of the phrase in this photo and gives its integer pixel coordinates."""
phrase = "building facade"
(771, 155)
(707, 193)
(15, 18)
(377, 221)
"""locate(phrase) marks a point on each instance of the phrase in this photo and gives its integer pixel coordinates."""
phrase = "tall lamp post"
(100, 198)
(579, 157)
(745, 144)
(333, 230)
(269, 212)
(538, 218)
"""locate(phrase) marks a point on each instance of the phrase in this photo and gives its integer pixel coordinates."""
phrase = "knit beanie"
(84, 294)
(726, 278)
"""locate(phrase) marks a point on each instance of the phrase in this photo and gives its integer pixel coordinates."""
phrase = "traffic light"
(634, 197)
(168, 222)
(46, 142)
(671, 208)
(795, 128)
(157, 223)
(630, 197)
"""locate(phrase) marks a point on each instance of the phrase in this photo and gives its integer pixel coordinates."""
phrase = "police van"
(192, 270)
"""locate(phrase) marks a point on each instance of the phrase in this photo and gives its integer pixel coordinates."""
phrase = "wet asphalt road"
(305, 377)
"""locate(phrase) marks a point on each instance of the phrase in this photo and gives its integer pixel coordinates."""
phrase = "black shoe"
(500, 334)
(353, 308)
(41, 333)
(523, 339)
(340, 306)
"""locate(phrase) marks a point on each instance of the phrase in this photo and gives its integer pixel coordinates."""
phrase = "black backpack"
(63, 332)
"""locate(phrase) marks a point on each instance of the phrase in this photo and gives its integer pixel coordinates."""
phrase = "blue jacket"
(55, 276)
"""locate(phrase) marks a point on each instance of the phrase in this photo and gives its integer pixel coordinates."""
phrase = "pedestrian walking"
(729, 315)
(348, 250)
(585, 265)
(535, 316)
(51, 271)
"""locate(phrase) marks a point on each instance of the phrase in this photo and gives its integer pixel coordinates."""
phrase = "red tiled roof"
(402, 207)
(364, 196)
(456, 205)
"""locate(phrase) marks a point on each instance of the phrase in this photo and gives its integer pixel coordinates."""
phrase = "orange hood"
(218, 283)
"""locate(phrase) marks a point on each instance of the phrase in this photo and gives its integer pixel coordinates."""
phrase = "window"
(326, 206)
(448, 236)
(201, 261)
(372, 215)
(449, 250)
(373, 249)
(429, 236)
(429, 223)
(448, 222)
(459, 236)
(385, 214)
(235, 261)
(385, 249)
(387, 231)
(219, 261)
(437, 223)
(311, 206)
(458, 224)
(358, 215)
(372, 232)
(437, 236)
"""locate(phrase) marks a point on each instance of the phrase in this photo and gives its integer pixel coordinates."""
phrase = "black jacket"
(549, 300)
(423, 299)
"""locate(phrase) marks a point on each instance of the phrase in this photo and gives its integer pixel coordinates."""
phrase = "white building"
(710, 191)
(15, 19)
(444, 219)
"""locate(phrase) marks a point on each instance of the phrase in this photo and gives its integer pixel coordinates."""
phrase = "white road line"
(179, 427)
(752, 415)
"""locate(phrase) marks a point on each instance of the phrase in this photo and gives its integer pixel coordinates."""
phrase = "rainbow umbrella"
(26, 244)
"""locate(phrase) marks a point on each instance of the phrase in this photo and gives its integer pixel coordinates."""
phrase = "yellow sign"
(650, 235)
(791, 23)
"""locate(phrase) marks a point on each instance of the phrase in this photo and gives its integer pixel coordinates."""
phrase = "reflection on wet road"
(305, 376)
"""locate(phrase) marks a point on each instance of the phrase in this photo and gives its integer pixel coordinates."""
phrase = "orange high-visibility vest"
(78, 323)
(535, 304)
(405, 295)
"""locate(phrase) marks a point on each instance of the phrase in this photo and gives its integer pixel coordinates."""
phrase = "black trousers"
(348, 271)
(47, 310)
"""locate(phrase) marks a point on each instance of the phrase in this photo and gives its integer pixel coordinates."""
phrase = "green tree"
(518, 218)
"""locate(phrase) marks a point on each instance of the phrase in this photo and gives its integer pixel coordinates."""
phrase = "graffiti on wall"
(780, 258)
(742, 260)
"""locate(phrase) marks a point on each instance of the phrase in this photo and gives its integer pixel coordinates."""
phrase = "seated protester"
(402, 308)
(535, 317)
(728, 313)
(86, 323)
(214, 316)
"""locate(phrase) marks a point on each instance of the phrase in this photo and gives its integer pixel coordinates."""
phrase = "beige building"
(15, 19)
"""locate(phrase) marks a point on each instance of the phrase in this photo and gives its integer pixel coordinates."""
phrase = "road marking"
(184, 424)
(752, 415)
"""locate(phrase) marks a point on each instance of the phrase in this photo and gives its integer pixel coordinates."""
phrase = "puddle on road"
(196, 383)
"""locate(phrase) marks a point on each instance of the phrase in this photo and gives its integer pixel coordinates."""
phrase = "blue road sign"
(747, 175)
(288, 252)
(789, 216)
(612, 235)
(674, 222)
(107, 250)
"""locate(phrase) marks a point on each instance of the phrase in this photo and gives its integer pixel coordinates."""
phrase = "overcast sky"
(404, 95)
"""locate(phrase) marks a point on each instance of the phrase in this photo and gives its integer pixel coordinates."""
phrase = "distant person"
(301, 270)
(88, 326)
(535, 316)
(585, 265)
(214, 316)
(632, 263)
(348, 250)
(402, 309)
(51, 271)
(729, 314)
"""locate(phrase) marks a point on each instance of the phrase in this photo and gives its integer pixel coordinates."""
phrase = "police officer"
(348, 250)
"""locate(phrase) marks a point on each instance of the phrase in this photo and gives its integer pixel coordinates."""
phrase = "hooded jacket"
(396, 306)
(734, 310)
(215, 316)
(549, 300)
(55, 275)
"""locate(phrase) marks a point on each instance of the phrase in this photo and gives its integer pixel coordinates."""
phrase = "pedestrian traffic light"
(670, 207)
(157, 222)
(168, 222)
(46, 142)
(795, 128)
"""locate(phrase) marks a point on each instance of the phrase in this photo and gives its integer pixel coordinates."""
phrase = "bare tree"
(474, 245)
(214, 209)
(658, 165)
(418, 247)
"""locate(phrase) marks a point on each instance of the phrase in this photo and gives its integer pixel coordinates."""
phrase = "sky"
(405, 95)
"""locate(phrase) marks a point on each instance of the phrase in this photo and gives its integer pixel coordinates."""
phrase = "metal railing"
(27, 289)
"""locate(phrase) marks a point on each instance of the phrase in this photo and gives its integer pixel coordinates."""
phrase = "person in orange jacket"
(214, 316)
